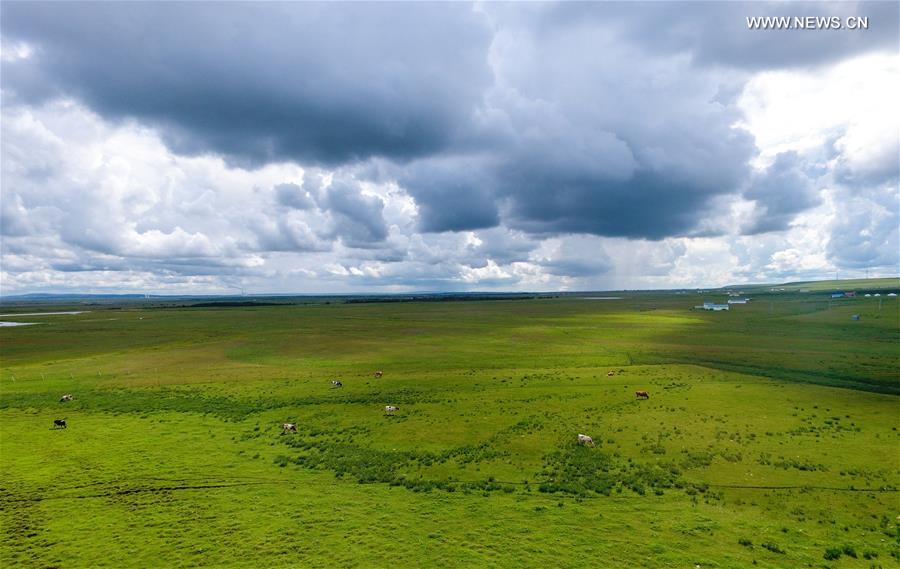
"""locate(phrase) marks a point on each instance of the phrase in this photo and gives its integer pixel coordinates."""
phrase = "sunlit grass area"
(770, 435)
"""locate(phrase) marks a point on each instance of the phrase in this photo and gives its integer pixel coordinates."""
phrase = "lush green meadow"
(770, 437)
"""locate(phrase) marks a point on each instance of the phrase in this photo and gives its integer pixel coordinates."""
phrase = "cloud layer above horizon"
(307, 147)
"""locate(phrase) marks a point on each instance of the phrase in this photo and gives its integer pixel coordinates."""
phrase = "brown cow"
(610, 373)
(379, 373)
(642, 395)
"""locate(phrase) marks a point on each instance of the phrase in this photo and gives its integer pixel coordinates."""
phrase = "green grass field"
(769, 440)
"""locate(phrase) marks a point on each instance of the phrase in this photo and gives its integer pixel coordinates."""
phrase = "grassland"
(770, 438)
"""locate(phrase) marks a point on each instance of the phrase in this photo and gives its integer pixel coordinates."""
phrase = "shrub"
(773, 547)
(832, 553)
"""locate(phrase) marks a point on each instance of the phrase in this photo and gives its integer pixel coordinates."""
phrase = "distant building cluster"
(852, 294)
(736, 297)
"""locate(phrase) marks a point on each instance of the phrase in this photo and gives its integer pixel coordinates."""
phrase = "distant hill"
(891, 283)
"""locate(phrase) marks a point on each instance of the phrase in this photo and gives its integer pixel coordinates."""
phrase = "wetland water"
(11, 324)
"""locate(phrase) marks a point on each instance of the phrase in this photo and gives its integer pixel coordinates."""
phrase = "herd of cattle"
(389, 410)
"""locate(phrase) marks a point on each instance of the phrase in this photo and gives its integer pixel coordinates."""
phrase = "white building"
(713, 306)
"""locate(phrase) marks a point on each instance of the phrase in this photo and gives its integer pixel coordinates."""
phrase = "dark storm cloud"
(717, 33)
(577, 257)
(577, 267)
(612, 119)
(309, 82)
(619, 145)
(454, 194)
(358, 219)
(780, 193)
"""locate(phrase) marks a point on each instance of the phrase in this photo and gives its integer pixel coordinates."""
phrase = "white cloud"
(91, 202)
(852, 103)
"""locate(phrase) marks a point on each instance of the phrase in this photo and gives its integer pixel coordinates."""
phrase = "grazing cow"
(59, 424)
(610, 373)
(390, 410)
(378, 374)
(288, 428)
(585, 440)
(336, 383)
(642, 395)
(65, 398)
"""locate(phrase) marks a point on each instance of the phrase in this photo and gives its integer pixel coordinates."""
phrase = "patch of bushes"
(581, 471)
(698, 459)
(833, 553)
(578, 470)
(369, 466)
(788, 463)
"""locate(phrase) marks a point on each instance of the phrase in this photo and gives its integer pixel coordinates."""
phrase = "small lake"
(42, 313)
(11, 324)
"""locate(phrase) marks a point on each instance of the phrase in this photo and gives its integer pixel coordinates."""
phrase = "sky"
(208, 148)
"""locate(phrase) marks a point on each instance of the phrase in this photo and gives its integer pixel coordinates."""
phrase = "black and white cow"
(59, 424)
(585, 440)
(288, 428)
(336, 383)
(390, 409)
(66, 397)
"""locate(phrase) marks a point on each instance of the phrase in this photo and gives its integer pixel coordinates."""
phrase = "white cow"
(288, 428)
(65, 398)
(585, 440)
(390, 409)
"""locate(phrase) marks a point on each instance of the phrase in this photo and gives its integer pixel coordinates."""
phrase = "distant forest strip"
(448, 298)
